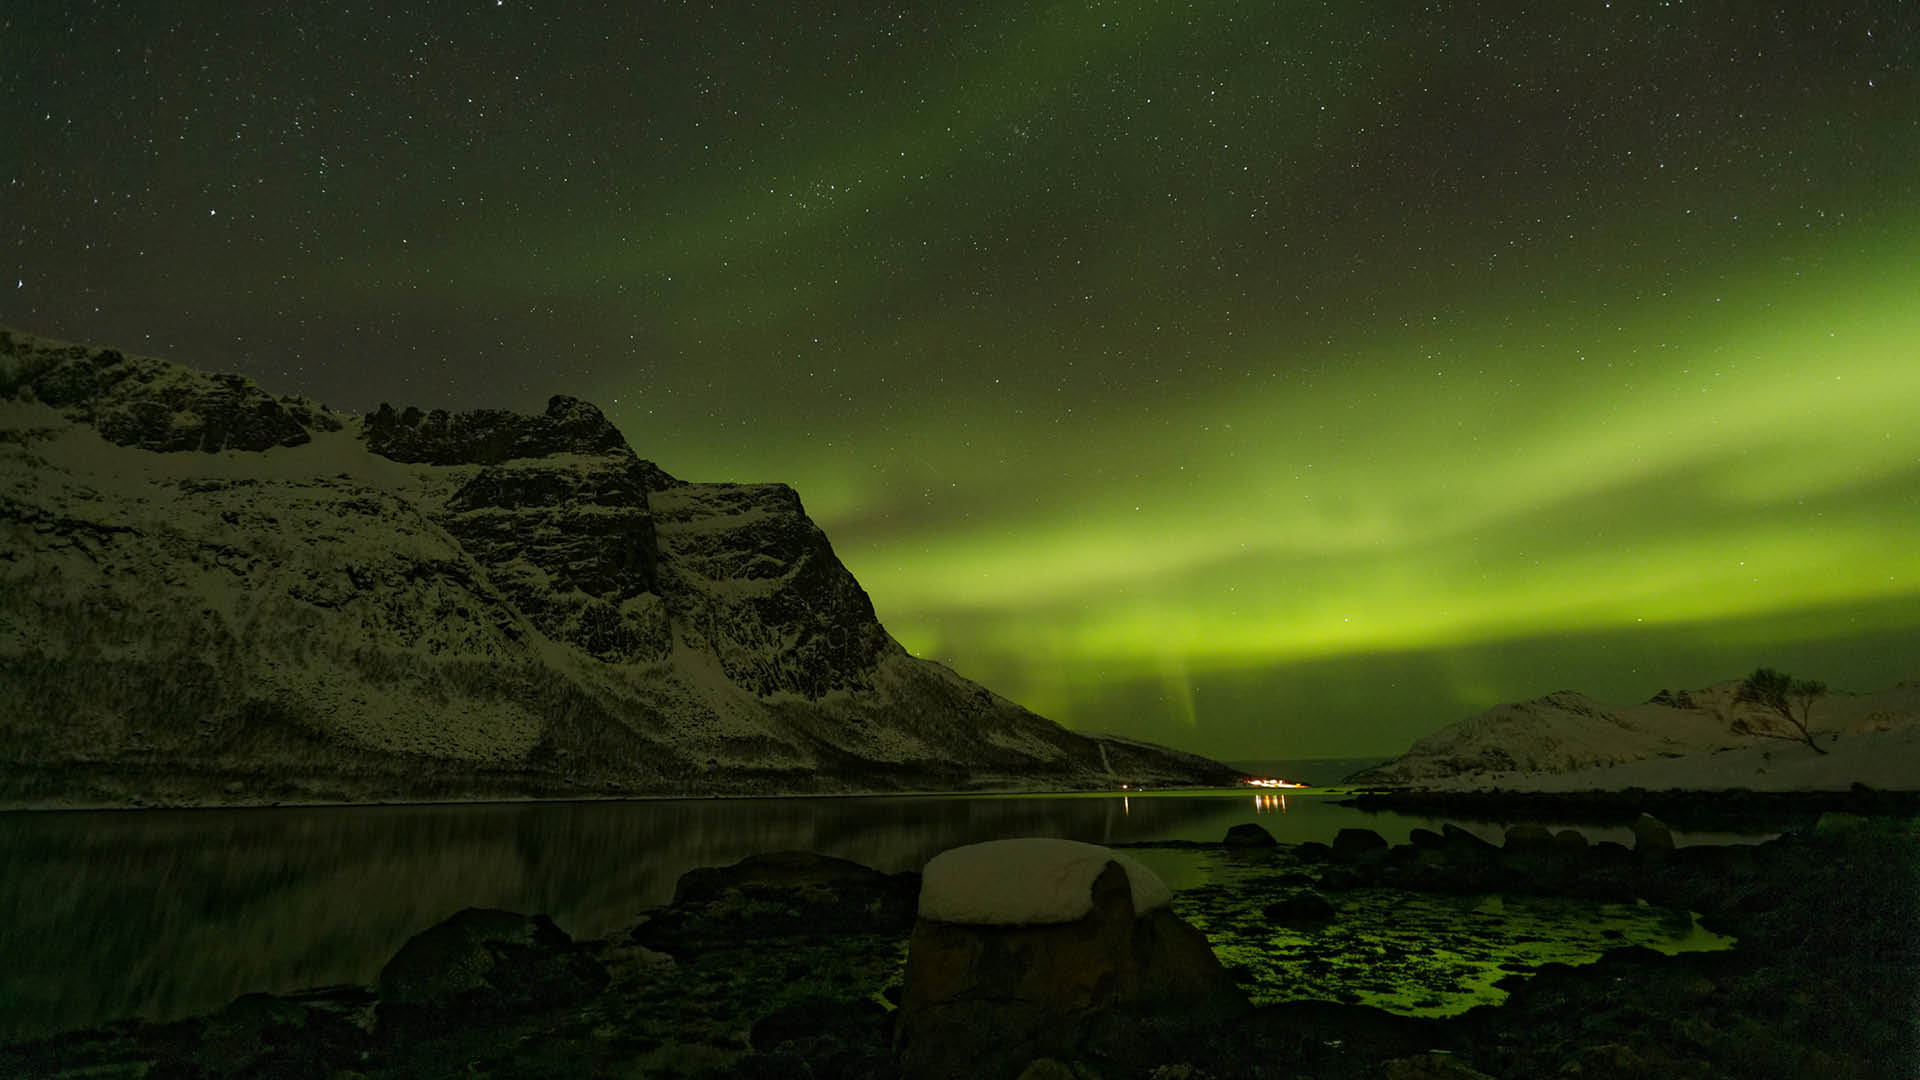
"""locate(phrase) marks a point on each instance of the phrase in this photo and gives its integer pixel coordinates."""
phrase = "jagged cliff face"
(555, 508)
(208, 593)
(752, 582)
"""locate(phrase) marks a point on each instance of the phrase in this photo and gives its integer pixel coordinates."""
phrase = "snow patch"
(1027, 882)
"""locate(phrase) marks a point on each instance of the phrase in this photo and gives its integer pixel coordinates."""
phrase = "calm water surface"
(163, 914)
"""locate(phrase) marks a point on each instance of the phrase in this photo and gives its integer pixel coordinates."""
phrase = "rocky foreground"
(794, 965)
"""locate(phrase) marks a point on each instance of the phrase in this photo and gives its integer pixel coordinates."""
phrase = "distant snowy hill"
(1568, 742)
(211, 594)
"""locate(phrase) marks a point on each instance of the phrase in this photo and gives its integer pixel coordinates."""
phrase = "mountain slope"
(1568, 742)
(210, 594)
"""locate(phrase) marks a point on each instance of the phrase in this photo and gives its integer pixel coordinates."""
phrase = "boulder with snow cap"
(1047, 948)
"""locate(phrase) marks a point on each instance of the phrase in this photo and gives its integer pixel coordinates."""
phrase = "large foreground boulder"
(1037, 948)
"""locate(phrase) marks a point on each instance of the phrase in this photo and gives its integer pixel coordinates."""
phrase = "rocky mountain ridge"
(212, 594)
(1567, 741)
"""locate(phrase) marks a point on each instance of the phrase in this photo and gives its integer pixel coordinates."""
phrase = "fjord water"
(162, 914)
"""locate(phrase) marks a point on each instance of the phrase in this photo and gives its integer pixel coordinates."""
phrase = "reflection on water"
(163, 914)
(1269, 803)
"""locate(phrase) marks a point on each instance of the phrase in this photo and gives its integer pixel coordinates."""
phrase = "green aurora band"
(1740, 471)
(1269, 379)
(1671, 440)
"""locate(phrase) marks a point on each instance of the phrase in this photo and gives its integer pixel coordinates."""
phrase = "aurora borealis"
(1267, 379)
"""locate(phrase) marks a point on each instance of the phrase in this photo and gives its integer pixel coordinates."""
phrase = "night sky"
(1269, 379)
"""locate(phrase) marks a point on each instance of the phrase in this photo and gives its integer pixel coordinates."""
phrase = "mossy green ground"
(1416, 954)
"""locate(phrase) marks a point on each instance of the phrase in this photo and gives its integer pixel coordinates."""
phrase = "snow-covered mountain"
(211, 594)
(1569, 742)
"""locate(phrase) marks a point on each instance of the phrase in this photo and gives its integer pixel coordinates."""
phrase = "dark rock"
(571, 544)
(808, 1019)
(1433, 1065)
(1612, 1060)
(1609, 853)
(1052, 1069)
(1681, 700)
(1434, 871)
(268, 1036)
(1570, 842)
(230, 414)
(984, 1001)
(1528, 840)
(1350, 844)
(160, 406)
(599, 557)
(1312, 851)
(1633, 956)
(1055, 1069)
(1339, 877)
(1301, 909)
(1841, 827)
(889, 898)
(483, 962)
(822, 1037)
(1426, 839)
(776, 895)
(1179, 1070)
(491, 436)
(1249, 835)
(715, 536)
(1651, 837)
(1464, 842)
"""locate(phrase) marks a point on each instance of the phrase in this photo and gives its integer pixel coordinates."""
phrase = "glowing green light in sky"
(1723, 457)
(1255, 376)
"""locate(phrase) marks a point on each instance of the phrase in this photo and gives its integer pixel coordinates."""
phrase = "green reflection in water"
(1416, 954)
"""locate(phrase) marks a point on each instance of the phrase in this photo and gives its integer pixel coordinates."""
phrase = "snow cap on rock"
(1027, 882)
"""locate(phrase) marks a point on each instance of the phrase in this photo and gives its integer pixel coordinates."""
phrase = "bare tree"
(1789, 700)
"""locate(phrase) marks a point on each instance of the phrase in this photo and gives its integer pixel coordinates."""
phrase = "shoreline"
(1627, 803)
(1624, 803)
(11, 807)
(707, 985)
